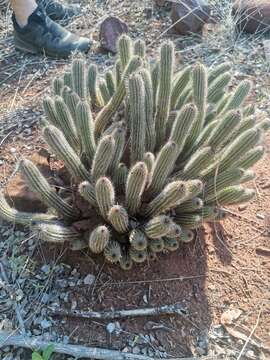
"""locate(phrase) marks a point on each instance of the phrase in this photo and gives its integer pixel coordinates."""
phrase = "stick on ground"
(175, 309)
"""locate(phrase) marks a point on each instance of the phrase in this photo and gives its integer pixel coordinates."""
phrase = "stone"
(190, 16)
(110, 328)
(45, 324)
(110, 30)
(89, 279)
(18, 193)
(252, 16)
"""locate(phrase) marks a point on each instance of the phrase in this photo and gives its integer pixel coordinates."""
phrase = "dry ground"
(223, 269)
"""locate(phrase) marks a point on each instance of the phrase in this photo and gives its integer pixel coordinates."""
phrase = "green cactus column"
(87, 191)
(157, 227)
(79, 78)
(103, 157)
(105, 196)
(85, 129)
(112, 252)
(179, 85)
(57, 233)
(59, 145)
(125, 49)
(119, 135)
(138, 239)
(99, 239)
(119, 219)
(137, 113)
(135, 187)
(92, 84)
(164, 90)
(38, 183)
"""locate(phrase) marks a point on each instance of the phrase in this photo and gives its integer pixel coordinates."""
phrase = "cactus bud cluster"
(153, 152)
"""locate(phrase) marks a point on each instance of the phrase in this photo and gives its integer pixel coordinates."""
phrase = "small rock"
(110, 30)
(45, 324)
(89, 279)
(46, 269)
(190, 16)
(252, 16)
(136, 350)
(242, 207)
(110, 328)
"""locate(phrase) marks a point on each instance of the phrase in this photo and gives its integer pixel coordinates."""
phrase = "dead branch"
(77, 351)
(175, 309)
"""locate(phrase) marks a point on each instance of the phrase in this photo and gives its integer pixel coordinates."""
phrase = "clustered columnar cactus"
(152, 154)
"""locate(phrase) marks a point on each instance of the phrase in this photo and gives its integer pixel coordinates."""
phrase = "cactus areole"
(152, 152)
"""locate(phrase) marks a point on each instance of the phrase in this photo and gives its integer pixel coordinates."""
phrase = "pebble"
(45, 324)
(136, 350)
(110, 328)
(89, 279)
(45, 268)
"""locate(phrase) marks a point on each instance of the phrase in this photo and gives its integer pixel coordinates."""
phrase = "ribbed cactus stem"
(38, 183)
(59, 145)
(65, 122)
(135, 187)
(239, 147)
(105, 115)
(216, 89)
(204, 135)
(193, 188)
(182, 126)
(187, 236)
(50, 112)
(155, 80)
(85, 129)
(156, 245)
(57, 233)
(200, 160)
(172, 195)
(208, 213)
(158, 226)
(125, 262)
(184, 98)
(223, 131)
(221, 181)
(118, 73)
(119, 135)
(140, 48)
(71, 99)
(112, 252)
(125, 49)
(104, 91)
(175, 231)
(120, 176)
(245, 124)
(110, 81)
(232, 195)
(217, 71)
(78, 74)
(180, 84)
(189, 206)
(248, 110)
(210, 115)
(149, 159)
(99, 239)
(118, 217)
(87, 191)
(105, 196)
(263, 125)
(189, 221)
(239, 96)
(67, 79)
(249, 175)
(250, 158)
(57, 85)
(92, 84)
(137, 113)
(164, 90)
(163, 166)
(151, 255)
(103, 156)
(138, 239)
(170, 244)
(150, 133)
(138, 256)
(18, 217)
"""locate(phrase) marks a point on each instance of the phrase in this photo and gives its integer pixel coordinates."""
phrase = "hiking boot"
(43, 35)
(57, 11)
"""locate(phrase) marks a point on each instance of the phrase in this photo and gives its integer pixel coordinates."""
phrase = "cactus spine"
(103, 156)
(120, 176)
(239, 96)
(250, 158)
(164, 90)
(232, 195)
(49, 108)
(189, 221)
(218, 71)
(170, 244)
(125, 262)
(110, 81)
(179, 85)
(156, 245)
(199, 161)
(71, 99)
(46, 193)
(92, 84)
(59, 145)
(104, 91)
(119, 135)
(190, 206)
(137, 111)
(216, 89)
(99, 239)
(138, 256)
(118, 217)
(105, 196)
(135, 186)
(57, 233)
(125, 50)
(149, 159)
(139, 48)
(57, 85)
(67, 79)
